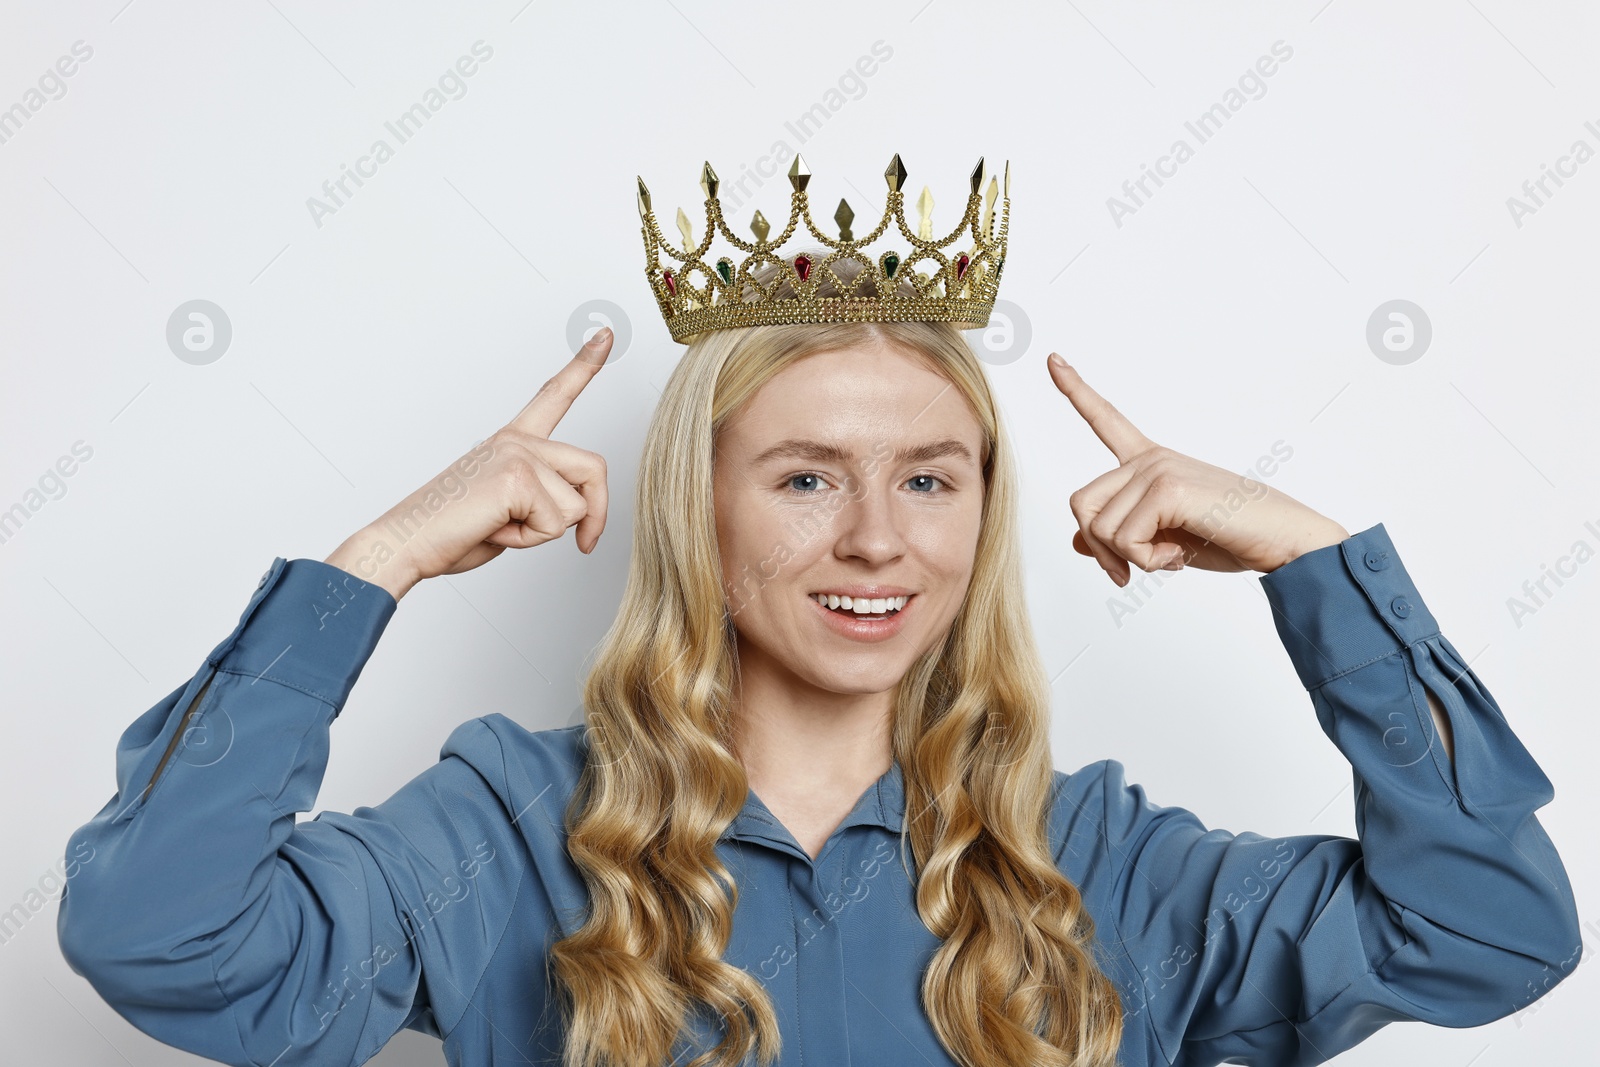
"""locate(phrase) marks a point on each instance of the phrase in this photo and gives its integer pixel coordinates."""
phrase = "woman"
(811, 836)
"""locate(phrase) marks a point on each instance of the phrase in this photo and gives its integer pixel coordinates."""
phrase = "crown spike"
(895, 174)
(1008, 179)
(708, 181)
(925, 213)
(977, 175)
(760, 226)
(988, 208)
(644, 199)
(799, 174)
(686, 228)
(844, 217)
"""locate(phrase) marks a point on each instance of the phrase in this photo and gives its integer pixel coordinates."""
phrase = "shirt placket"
(816, 900)
(819, 960)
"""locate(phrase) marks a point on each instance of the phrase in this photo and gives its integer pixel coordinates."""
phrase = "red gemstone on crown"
(802, 267)
(672, 287)
(961, 266)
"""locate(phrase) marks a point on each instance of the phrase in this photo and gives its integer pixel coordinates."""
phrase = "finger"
(584, 471)
(1129, 521)
(541, 414)
(570, 504)
(1150, 517)
(1108, 424)
(547, 507)
(525, 531)
(1086, 505)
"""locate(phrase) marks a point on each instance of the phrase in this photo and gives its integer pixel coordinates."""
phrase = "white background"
(1227, 313)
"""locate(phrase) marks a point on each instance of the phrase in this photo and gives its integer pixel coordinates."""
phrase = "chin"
(856, 683)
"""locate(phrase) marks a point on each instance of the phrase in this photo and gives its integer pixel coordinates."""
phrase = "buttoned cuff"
(310, 626)
(1343, 606)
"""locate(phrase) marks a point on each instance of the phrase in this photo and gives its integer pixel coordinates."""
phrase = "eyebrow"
(824, 452)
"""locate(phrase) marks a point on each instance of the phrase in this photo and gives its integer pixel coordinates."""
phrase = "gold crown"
(961, 290)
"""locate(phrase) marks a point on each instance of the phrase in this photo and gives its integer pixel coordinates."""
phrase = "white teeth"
(861, 605)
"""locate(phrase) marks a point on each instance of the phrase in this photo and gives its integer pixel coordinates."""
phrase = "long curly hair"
(1015, 980)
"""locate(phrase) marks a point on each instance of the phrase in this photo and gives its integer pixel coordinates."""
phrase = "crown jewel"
(959, 284)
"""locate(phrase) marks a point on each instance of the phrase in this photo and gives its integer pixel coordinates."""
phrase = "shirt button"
(262, 583)
(1377, 560)
(1400, 606)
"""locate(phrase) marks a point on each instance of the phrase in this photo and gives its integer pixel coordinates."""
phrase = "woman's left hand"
(1162, 510)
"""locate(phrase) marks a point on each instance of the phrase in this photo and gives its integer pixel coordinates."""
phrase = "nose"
(868, 526)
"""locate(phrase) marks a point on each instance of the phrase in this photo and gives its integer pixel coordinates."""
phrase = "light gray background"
(1227, 313)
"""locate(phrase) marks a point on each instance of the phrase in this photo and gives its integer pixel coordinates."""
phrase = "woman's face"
(849, 472)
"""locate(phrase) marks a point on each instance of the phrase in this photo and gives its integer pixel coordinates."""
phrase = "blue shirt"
(210, 919)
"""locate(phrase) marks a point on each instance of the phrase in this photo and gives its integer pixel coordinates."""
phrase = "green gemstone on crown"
(725, 268)
(891, 263)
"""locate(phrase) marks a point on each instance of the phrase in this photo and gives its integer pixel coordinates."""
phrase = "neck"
(796, 739)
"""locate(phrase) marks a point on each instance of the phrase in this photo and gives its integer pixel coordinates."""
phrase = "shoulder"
(1098, 819)
(522, 766)
(1095, 798)
(490, 742)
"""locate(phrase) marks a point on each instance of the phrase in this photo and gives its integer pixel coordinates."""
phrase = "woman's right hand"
(517, 489)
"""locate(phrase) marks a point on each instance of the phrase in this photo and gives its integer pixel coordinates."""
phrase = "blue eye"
(924, 478)
(793, 478)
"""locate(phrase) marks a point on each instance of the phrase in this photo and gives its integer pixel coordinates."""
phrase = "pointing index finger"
(1108, 424)
(541, 414)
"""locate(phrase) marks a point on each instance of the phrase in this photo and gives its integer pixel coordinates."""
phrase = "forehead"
(876, 392)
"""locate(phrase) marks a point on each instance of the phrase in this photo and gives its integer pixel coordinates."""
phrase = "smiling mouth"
(862, 607)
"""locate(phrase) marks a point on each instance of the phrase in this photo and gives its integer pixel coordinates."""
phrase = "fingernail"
(1055, 358)
(601, 336)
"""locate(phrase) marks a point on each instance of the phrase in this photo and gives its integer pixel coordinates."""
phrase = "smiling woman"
(852, 459)
(909, 521)
(786, 834)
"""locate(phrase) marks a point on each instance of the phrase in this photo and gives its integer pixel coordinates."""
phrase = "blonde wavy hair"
(1015, 980)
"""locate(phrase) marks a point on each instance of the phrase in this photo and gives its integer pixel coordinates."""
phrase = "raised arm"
(1452, 908)
(214, 922)
(209, 917)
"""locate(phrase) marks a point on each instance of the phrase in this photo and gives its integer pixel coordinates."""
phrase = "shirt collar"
(881, 804)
